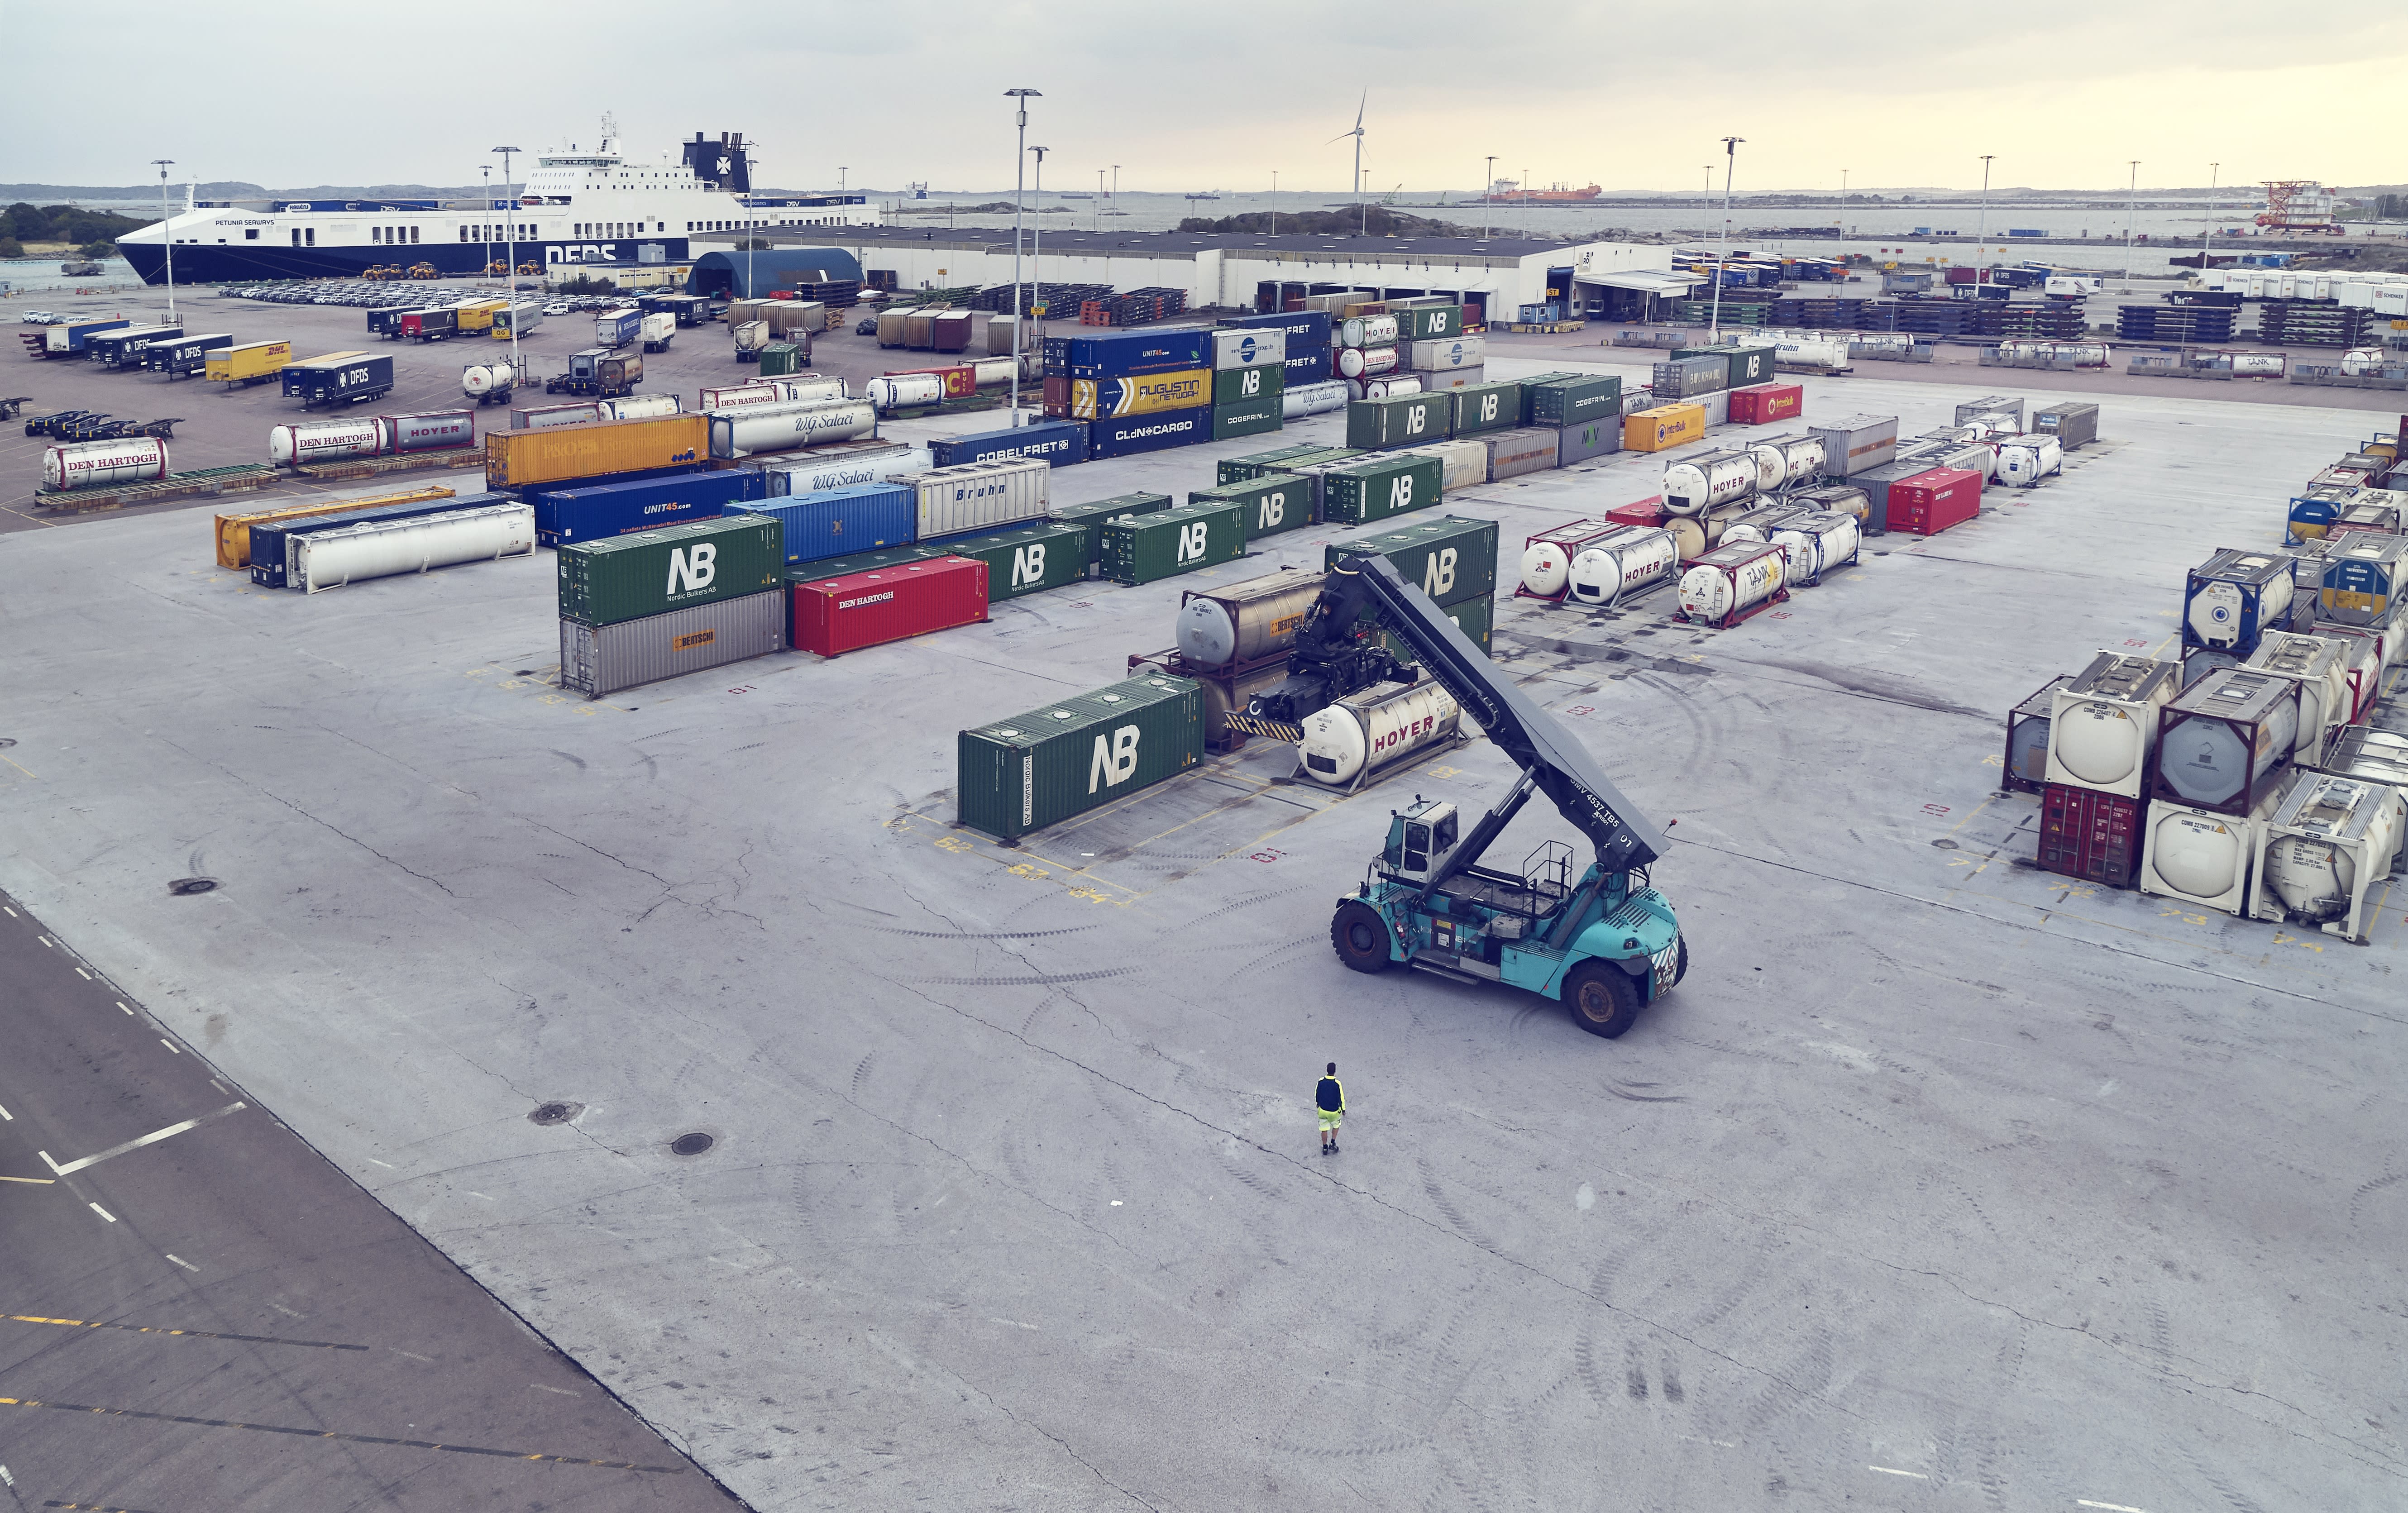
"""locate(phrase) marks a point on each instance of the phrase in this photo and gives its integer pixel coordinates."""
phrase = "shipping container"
(519, 459)
(1238, 386)
(1368, 329)
(1749, 365)
(1487, 406)
(440, 324)
(181, 357)
(807, 422)
(1588, 440)
(654, 572)
(2090, 835)
(980, 496)
(1932, 501)
(1429, 322)
(1664, 427)
(90, 465)
(1462, 464)
(1765, 403)
(338, 377)
(835, 615)
(1685, 378)
(1360, 493)
(1253, 464)
(781, 357)
(1021, 775)
(1565, 401)
(2072, 424)
(1858, 443)
(548, 416)
(2236, 597)
(1449, 352)
(1253, 418)
(1475, 617)
(1061, 442)
(1027, 559)
(1184, 539)
(271, 541)
(596, 660)
(1272, 503)
(254, 362)
(1245, 346)
(2224, 742)
(1448, 557)
(1876, 483)
(1245, 624)
(1401, 422)
(1522, 449)
(1368, 361)
(2026, 762)
(1307, 330)
(1148, 433)
(2362, 580)
(838, 522)
(1128, 353)
(1311, 368)
(844, 467)
(233, 532)
(123, 346)
(1992, 405)
(592, 512)
(365, 549)
(1152, 394)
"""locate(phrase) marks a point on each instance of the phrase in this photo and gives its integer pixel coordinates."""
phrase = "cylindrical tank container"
(1622, 566)
(321, 441)
(1760, 520)
(751, 336)
(488, 382)
(1818, 542)
(1376, 728)
(1367, 331)
(811, 386)
(85, 464)
(810, 422)
(1313, 399)
(2327, 845)
(743, 395)
(1716, 478)
(2362, 360)
(2321, 665)
(1547, 556)
(430, 432)
(2088, 354)
(1726, 585)
(1245, 622)
(380, 548)
(1368, 361)
(2222, 738)
(1697, 535)
(902, 389)
(2025, 460)
(1781, 461)
(1994, 427)
(993, 372)
(2258, 364)
(640, 407)
(1394, 386)
(545, 417)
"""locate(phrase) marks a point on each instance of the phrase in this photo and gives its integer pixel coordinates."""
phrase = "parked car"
(867, 328)
(40, 317)
(558, 307)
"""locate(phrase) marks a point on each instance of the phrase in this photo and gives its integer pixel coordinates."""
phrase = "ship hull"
(200, 263)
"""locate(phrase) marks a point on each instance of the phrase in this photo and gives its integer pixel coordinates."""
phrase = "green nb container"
(867, 561)
(1536, 379)
(1750, 365)
(1145, 548)
(1255, 465)
(1101, 510)
(1404, 420)
(1429, 322)
(781, 357)
(1027, 558)
(623, 577)
(1274, 503)
(1365, 492)
(1021, 775)
(1576, 400)
(1253, 418)
(1475, 617)
(1241, 386)
(1449, 557)
(1485, 407)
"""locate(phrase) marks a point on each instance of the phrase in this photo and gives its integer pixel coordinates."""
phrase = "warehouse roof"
(776, 267)
(1063, 241)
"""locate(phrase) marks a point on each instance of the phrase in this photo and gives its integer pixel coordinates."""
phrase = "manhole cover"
(691, 1145)
(187, 887)
(557, 1113)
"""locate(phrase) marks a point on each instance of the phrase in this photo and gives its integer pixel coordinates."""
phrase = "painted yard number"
(1192, 541)
(1935, 810)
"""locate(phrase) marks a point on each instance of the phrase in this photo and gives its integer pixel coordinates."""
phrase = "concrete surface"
(1940, 1183)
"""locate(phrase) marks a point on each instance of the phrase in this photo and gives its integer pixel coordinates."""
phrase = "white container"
(901, 389)
(1461, 463)
(1249, 347)
(1781, 461)
(641, 407)
(1713, 591)
(2200, 857)
(1452, 352)
(1618, 568)
(547, 417)
(2362, 360)
(2025, 460)
(1809, 353)
(743, 396)
(1715, 477)
(980, 497)
(2323, 852)
(1392, 386)
(751, 336)
(1313, 399)
(2102, 725)
(1376, 728)
(2258, 364)
(1367, 331)
(1817, 543)
(657, 329)
(321, 441)
(330, 559)
(843, 470)
(86, 465)
(985, 372)
(1368, 361)
(488, 382)
(806, 422)
(2320, 666)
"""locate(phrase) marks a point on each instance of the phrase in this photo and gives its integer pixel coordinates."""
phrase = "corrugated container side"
(837, 615)
(839, 521)
(1475, 617)
(1664, 427)
(1522, 449)
(596, 660)
(515, 459)
(565, 515)
(1024, 774)
(1236, 386)
(1130, 436)
(1450, 558)
(1562, 402)
(1027, 559)
(1184, 539)
(1358, 494)
(1404, 420)
(654, 572)
(1589, 438)
(980, 496)
(1094, 513)
(1271, 504)
(1254, 418)
(1060, 443)
(1487, 406)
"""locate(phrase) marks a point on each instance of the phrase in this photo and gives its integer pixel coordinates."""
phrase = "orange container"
(516, 457)
(1663, 427)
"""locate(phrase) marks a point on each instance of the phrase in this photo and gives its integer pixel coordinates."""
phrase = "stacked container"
(2101, 739)
(1857, 444)
(1450, 558)
(1272, 502)
(2229, 603)
(590, 513)
(1123, 385)
(1308, 343)
(1374, 489)
(1184, 539)
(659, 604)
(1234, 642)
(1407, 421)
(2223, 766)
(1485, 406)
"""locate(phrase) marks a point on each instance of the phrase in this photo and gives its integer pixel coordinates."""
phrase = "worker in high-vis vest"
(1330, 1097)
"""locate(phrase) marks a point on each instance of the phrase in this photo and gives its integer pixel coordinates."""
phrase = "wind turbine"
(1363, 211)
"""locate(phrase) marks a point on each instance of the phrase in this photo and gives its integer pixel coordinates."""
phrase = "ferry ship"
(576, 207)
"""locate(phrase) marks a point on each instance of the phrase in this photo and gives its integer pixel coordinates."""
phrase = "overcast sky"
(1221, 95)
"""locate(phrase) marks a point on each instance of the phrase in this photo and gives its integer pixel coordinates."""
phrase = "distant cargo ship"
(1507, 192)
(576, 207)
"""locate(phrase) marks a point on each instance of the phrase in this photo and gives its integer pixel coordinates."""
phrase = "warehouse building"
(1606, 281)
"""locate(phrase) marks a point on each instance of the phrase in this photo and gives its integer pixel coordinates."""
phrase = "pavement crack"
(1059, 1441)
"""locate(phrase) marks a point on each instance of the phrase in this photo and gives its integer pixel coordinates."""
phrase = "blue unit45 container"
(836, 523)
(1149, 432)
(1058, 442)
(271, 539)
(563, 515)
(1128, 353)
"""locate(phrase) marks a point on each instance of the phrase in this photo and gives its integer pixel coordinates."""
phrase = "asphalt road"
(198, 1311)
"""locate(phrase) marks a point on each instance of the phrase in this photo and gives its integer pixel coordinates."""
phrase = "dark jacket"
(1330, 1096)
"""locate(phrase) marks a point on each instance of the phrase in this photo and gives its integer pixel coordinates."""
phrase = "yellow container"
(515, 459)
(234, 531)
(248, 363)
(1150, 394)
(478, 315)
(1666, 426)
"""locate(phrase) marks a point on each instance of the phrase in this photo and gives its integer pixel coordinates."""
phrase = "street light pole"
(2131, 216)
(1489, 199)
(1020, 99)
(510, 258)
(485, 230)
(1036, 250)
(166, 233)
(840, 172)
(2208, 234)
(1982, 249)
(1275, 202)
(1730, 166)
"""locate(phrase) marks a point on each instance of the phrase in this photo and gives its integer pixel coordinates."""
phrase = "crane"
(1604, 945)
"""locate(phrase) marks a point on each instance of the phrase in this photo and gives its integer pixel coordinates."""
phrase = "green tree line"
(94, 231)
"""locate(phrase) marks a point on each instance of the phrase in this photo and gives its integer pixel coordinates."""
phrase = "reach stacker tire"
(1602, 998)
(1360, 936)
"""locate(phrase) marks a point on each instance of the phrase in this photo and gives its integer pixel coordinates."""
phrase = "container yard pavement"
(1940, 1179)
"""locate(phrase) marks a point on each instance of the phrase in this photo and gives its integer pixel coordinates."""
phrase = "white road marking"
(12, 913)
(81, 973)
(562, 1390)
(475, 1195)
(386, 1165)
(1893, 1471)
(1010, 1323)
(285, 1311)
(7, 1117)
(122, 1005)
(102, 1212)
(31, 1181)
(44, 939)
(170, 1045)
(6, 1480)
(412, 1354)
(219, 1085)
(1116, 1203)
(2110, 1507)
(151, 1139)
(181, 1261)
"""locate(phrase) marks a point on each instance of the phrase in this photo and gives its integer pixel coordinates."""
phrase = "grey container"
(1685, 378)
(596, 660)
(1875, 482)
(1590, 439)
(1522, 449)
(1857, 444)
(1992, 405)
(2070, 424)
